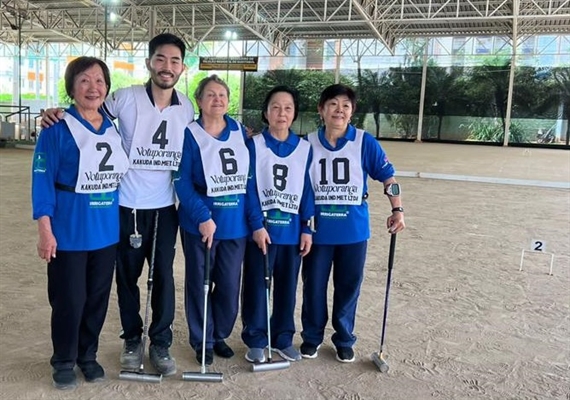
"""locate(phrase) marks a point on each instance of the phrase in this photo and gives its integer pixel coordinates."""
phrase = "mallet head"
(379, 361)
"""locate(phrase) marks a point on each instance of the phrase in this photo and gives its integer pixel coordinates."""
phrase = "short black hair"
(81, 64)
(278, 89)
(166, 38)
(338, 89)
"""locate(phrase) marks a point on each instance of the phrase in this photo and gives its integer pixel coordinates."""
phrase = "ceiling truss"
(275, 22)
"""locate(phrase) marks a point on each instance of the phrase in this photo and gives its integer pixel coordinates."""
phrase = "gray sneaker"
(161, 360)
(131, 354)
(255, 355)
(289, 353)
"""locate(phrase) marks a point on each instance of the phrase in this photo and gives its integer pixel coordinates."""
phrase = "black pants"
(130, 262)
(79, 284)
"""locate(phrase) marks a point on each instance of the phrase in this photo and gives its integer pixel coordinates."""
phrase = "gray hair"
(199, 92)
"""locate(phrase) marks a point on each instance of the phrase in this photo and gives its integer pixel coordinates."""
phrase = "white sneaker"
(289, 353)
(255, 355)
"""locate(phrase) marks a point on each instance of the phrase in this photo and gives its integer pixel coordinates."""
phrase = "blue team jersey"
(231, 213)
(283, 227)
(346, 224)
(80, 222)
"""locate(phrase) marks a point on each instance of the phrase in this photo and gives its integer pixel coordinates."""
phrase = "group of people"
(243, 201)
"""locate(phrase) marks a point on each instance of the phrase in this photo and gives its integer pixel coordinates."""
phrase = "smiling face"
(89, 89)
(165, 66)
(280, 111)
(336, 112)
(214, 100)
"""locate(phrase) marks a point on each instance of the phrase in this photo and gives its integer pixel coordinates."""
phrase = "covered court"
(463, 322)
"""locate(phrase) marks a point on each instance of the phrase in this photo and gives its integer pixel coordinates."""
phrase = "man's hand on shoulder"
(51, 116)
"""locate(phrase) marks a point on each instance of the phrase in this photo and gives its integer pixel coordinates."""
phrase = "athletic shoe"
(161, 360)
(223, 350)
(255, 355)
(64, 379)
(92, 371)
(131, 354)
(209, 356)
(289, 353)
(345, 354)
(309, 350)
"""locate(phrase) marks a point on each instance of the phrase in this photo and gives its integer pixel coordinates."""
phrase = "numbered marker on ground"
(538, 245)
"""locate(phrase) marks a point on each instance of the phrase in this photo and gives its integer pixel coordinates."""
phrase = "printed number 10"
(340, 171)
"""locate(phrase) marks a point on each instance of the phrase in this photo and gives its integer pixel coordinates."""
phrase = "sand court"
(463, 321)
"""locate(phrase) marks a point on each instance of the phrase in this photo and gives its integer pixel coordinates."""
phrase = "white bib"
(280, 180)
(102, 160)
(225, 163)
(337, 176)
(158, 137)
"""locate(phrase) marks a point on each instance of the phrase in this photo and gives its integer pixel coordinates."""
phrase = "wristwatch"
(398, 209)
(392, 190)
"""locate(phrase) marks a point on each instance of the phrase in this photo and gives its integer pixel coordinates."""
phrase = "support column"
(512, 73)
(422, 92)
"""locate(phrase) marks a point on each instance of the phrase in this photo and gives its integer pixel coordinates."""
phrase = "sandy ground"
(463, 321)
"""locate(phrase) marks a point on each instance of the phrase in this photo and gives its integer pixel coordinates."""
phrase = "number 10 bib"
(337, 176)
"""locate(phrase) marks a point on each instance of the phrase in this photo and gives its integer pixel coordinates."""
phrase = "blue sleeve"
(307, 209)
(374, 159)
(189, 198)
(45, 170)
(254, 214)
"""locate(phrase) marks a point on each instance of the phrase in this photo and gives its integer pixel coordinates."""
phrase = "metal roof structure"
(276, 22)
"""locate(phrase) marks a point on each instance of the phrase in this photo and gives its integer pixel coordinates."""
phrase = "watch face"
(395, 189)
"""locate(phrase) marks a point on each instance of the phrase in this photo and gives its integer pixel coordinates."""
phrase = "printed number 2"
(159, 136)
(103, 164)
(537, 245)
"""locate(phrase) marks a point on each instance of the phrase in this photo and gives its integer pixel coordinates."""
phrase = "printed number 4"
(159, 136)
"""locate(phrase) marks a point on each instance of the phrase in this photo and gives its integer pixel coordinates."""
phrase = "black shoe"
(92, 371)
(131, 354)
(309, 350)
(223, 350)
(345, 354)
(161, 360)
(64, 379)
(209, 356)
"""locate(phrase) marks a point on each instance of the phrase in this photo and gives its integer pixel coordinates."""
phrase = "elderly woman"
(343, 159)
(211, 187)
(78, 163)
(280, 170)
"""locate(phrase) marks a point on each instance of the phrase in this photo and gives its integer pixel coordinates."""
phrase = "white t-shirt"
(147, 188)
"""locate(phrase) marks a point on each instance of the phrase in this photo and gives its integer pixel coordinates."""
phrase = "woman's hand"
(395, 222)
(47, 245)
(207, 230)
(305, 244)
(261, 237)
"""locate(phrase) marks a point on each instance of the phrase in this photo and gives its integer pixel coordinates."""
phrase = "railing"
(7, 111)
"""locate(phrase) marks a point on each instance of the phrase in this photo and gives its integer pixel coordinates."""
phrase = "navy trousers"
(130, 263)
(223, 302)
(284, 265)
(79, 285)
(348, 273)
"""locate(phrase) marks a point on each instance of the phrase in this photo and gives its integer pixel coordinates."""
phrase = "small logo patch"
(40, 162)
